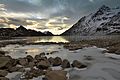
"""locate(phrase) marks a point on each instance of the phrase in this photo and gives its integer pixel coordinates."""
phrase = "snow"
(100, 66)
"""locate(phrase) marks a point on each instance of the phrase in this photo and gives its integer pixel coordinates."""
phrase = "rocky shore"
(41, 65)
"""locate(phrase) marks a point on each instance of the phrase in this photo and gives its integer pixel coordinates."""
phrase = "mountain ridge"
(104, 21)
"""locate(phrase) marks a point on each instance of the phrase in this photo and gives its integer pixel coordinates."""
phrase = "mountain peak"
(21, 28)
(104, 8)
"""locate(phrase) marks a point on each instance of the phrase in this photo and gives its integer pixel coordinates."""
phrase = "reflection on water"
(56, 39)
(66, 39)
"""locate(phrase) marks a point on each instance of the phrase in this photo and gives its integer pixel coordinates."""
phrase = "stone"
(3, 78)
(51, 60)
(78, 64)
(31, 64)
(44, 64)
(3, 73)
(57, 61)
(117, 52)
(15, 69)
(33, 73)
(4, 61)
(55, 75)
(65, 64)
(29, 58)
(23, 61)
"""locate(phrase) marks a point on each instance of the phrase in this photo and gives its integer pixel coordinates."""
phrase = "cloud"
(91, 0)
(56, 15)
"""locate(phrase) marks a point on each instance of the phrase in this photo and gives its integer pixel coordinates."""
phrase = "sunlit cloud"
(47, 15)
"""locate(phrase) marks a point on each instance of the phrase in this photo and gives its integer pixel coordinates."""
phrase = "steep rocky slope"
(104, 21)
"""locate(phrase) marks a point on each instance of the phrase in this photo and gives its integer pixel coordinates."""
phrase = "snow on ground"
(100, 65)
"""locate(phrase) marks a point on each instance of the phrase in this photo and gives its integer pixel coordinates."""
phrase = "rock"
(57, 61)
(29, 58)
(2, 53)
(42, 54)
(44, 64)
(78, 64)
(55, 75)
(65, 64)
(51, 60)
(4, 61)
(3, 78)
(23, 61)
(3, 73)
(53, 52)
(15, 69)
(117, 52)
(33, 73)
(112, 50)
(31, 64)
(39, 58)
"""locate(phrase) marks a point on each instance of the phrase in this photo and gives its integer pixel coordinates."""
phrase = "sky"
(55, 16)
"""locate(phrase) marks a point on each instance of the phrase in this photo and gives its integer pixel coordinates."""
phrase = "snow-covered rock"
(105, 21)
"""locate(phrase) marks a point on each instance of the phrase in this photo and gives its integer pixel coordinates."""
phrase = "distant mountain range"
(105, 21)
(22, 31)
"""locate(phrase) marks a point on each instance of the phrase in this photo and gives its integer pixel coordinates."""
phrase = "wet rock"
(29, 58)
(23, 61)
(65, 64)
(57, 61)
(51, 60)
(55, 75)
(78, 64)
(4, 61)
(44, 64)
(3, 73)
(3, 78)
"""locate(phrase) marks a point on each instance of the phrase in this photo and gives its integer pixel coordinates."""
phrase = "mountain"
(105, 21)
(48, 33)
(20, 32)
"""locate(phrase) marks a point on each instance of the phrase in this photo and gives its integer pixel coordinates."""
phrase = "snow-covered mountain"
(105, 21)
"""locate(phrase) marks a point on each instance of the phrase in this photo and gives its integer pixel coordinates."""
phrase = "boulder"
(44, 64)
(117, 52)
(2, 53)
(31, 64)
(4, 61)
(15, 69)
(55, 75)
(65, 64)
(78, 64)
(29, 58)
(51, 60)
(3, 73)
(33, 73)
(39, 58)
(57, 61)
(23, 61)
(3, 78)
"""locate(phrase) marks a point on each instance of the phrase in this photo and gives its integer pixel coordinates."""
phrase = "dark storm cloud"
(70, 8)
(43, 11)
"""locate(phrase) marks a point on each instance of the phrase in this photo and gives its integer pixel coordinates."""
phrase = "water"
(101, 67)
(58, 39)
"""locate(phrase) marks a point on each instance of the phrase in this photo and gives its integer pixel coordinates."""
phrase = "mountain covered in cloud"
(104, 21)
(21, 32)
